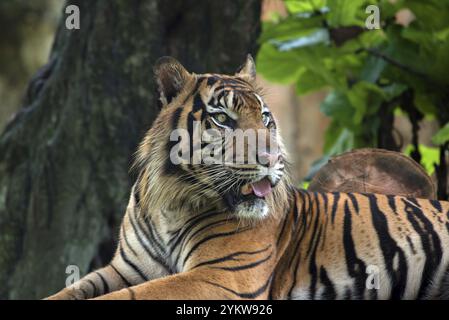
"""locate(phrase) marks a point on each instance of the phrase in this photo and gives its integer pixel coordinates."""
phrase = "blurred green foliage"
(430, 156)
(325, 44)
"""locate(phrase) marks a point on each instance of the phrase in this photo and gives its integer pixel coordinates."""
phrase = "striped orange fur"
(188, 233)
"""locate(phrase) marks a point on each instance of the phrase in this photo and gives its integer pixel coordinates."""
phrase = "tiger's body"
(196, 232)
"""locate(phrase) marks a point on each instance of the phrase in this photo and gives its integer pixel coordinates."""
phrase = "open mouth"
(249, 194)
(259, 189)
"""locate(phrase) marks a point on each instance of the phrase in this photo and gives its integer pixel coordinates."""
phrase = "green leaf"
(367, 69)
(290, 27)
(337, 106)
(388, 8)
(318, 36)
(442, 136)
(429, 156)
(365, 97)
(442, 35)
(430, 15)
(372, 69)
(393, 90)
(301, 6)
(282, 67)
(341, 143)
(345, 12)
(309, 81)
(425, 104)
(305, 185)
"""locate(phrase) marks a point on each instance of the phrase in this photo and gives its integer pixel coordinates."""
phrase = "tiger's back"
(365, 246)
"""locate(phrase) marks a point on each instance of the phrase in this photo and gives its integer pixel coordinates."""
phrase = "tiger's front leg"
(94, 284)
(134, 262)
(123, 271)
(198, 284)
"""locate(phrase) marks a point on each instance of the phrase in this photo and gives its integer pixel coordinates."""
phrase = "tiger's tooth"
(246, 189)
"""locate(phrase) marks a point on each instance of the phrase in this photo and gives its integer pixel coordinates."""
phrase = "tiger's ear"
(248, 70)
(170, 77)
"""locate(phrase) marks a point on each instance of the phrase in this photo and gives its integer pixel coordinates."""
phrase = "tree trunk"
(65, 157)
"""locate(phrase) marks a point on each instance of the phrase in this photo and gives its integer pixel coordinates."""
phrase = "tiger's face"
(215, 144)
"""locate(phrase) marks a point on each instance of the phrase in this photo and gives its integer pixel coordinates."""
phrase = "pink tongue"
(261, 188)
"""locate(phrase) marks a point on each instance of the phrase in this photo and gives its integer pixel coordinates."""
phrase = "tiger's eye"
(266, 119)
(221, 117)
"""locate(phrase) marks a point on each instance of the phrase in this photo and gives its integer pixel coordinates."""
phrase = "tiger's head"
(214, 145)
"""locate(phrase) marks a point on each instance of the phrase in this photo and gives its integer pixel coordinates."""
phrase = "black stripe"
(136, 196)
(314, 241)
(354, 201)
(169, 167)
(212, 80)
(86, 295)
(294, 270)
(104, 282)
(436, 204)
(209, 225)
(356, 267)
(325, 201)
(150, 236)
(304, 212)
(295, 212)
(126, 240)
(315, 231)
(329, 290)
(398, 278)
(231, 257)
(244, 295)
(284, 223)
(132, 294)
(145, 247)
(195, 89)
(295, 259)
(121, 276)
(198, 103)
(245, 266)
(210, 237)
(410, 243)
(149, 222)
(219, 96)
(237, 80)
(95, 293)
(313, 266)
(192, 222)
(392, 203)
(430, 242)
(132, 264)
(334, 205)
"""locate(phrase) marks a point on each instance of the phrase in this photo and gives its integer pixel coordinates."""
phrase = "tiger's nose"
(269, 159)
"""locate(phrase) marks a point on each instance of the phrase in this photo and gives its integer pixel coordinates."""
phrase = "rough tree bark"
(64, 158)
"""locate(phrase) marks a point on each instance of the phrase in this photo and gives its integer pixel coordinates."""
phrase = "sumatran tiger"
(243, 231)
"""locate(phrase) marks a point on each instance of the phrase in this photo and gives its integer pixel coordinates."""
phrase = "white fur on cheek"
(257, 209)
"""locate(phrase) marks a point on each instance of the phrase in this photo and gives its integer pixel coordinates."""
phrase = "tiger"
(244, 230)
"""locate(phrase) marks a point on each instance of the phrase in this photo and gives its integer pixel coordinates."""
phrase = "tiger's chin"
(254, 209)
(251, 201)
